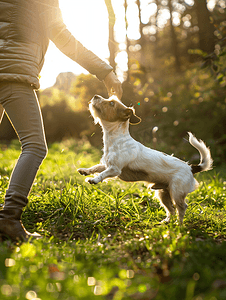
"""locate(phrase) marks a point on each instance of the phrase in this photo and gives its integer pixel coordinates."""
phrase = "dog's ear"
(134, 119)
(129, 113)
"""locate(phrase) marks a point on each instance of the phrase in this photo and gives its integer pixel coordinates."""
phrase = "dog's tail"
(205, 155)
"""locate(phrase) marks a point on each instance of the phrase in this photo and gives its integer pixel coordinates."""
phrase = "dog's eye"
(112, 103)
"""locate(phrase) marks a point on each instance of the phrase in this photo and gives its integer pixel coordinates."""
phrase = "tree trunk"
(127, 42)
(206, 28)
(175, 49)
(156, 20)
(141, 25)
(144, 54)
(111, 42)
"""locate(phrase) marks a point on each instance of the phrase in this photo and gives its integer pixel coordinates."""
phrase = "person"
(25, 30)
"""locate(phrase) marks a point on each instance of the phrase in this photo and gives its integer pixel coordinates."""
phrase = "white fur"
(205, 156)
(129, 160)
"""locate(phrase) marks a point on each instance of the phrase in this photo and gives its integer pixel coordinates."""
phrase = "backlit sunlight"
(87, 20)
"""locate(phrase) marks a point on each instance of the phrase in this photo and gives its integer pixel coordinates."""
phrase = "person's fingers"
(113, 85)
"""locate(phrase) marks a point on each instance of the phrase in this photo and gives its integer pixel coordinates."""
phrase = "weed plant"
(107, 241)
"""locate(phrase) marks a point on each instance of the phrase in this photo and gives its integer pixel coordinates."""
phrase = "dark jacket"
(26, 26)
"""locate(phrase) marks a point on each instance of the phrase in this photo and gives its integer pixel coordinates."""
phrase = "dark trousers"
(20, 103)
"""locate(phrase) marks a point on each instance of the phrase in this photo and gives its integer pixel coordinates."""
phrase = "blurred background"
(170, 56)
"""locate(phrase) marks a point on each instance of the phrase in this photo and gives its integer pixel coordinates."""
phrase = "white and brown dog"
(129, 160)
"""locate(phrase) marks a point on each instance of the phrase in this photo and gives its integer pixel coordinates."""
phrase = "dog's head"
(112, 110)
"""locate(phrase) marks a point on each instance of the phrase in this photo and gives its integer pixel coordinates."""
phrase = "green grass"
(106, 241)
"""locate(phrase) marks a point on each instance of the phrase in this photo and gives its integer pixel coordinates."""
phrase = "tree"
(127, 40)
(111, 43)
(206, 27)
(174, 41)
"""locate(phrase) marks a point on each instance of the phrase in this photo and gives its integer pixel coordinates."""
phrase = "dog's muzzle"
(95, 101)
(94, 104)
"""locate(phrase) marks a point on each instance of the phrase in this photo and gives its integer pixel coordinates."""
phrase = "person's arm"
(66, 43)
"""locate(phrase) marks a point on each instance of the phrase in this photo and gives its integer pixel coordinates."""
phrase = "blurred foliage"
(85, 87)
(54, 96)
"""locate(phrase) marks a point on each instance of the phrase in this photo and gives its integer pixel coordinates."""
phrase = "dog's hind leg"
(166, 201)
(180, 205)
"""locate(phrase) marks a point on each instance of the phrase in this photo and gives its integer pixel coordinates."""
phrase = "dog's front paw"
(92, 180)
(83, 171)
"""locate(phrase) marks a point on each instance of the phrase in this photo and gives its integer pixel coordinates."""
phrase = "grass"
(106, 241)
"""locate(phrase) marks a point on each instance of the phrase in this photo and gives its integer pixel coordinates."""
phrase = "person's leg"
(21, 105)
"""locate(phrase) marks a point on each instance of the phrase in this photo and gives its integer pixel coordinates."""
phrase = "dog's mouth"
(94, 109)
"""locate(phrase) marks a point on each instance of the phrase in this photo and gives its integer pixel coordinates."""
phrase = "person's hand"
(113, 85)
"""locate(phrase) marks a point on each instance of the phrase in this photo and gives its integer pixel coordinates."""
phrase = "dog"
(131, 161)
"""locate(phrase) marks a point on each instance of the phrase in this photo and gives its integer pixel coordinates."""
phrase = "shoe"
(14, 230)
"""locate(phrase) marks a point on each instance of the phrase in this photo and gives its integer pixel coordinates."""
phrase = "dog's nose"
(96, 97)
